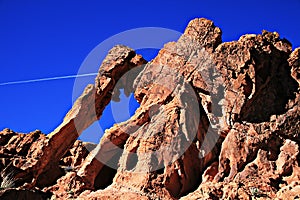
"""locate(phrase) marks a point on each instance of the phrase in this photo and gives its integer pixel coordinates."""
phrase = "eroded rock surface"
(216, 121)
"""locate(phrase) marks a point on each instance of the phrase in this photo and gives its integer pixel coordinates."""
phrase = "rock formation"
(216, 121)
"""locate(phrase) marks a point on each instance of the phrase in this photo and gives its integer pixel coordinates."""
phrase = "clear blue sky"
(40, 39)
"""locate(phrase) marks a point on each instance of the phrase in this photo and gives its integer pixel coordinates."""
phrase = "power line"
(47, 79)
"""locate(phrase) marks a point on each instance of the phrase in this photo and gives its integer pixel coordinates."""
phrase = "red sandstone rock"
(216, 121)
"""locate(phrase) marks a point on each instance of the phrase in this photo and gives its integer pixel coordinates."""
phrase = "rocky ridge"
(216, 121)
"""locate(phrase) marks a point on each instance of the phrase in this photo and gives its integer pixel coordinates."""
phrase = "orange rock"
(216, 121)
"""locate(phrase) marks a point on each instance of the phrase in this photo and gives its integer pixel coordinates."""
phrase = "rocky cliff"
(216, 121)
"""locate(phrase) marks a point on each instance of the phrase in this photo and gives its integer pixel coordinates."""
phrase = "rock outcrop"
(216, 121)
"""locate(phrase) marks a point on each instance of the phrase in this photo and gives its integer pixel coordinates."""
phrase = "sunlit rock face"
(216, 121)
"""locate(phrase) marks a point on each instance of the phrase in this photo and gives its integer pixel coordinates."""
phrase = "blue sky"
(44, 39)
